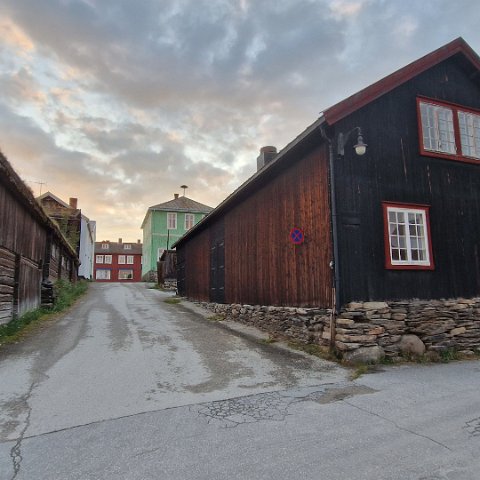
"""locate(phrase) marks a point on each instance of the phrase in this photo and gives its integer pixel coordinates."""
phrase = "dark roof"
(179, 204)
(182, 204)
(54, 197)
(458, 47)
(118, 248)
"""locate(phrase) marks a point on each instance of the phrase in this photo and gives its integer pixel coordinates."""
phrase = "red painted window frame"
(459, 157)
(386, 234)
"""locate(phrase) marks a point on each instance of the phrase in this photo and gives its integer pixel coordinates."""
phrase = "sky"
(120, 102)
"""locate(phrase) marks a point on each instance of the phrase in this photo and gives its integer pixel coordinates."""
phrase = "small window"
(108, 259)
(129, 259)
(448, 130)
(99, 258)
(469, 124)
(437, 128)
(105, 246)
(189, 220)
(125, 274)
(407, 237)
(171, 221)
(121, 259)
(102, 274)
(127, 246)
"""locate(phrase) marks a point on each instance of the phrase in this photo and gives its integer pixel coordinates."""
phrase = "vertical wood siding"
(23, 254)
(394, 170)
(196, 261)
(262, 266)
(7, 283)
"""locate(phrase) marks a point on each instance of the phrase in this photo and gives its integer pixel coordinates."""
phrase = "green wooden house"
(163, 225)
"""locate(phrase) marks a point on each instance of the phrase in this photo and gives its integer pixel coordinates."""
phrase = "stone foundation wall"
(371, 330)
(305, 325)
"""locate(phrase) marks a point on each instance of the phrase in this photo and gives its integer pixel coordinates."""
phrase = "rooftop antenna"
(41, 185)
(184, 188)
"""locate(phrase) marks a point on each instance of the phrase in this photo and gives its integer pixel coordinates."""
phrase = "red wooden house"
(118, 261)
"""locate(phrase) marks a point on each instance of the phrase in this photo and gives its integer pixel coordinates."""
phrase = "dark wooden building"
(318, 222)
(32, 248)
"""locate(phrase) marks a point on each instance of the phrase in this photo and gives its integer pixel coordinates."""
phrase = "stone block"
(375, 305)
(458, 331)
(364, 355)
(412, 345)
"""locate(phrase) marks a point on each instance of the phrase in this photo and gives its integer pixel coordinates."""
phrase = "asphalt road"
(126, 386)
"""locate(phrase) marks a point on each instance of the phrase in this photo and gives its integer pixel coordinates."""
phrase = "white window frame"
(407, 237)
(189, 221)
(127, 246)
(130, 260)
(171, 221)
(108, 259)
(449, 130)
(124, 271)
(469, 126)
(105, 246)
(121, 259)
(99, 258)
(103, 274)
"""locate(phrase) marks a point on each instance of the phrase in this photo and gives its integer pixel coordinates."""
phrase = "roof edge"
(345, 107)
(226, 202)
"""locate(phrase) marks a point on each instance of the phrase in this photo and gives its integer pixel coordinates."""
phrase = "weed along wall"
(368, 331)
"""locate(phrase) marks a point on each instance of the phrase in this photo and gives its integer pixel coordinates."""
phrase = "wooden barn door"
(217, 263)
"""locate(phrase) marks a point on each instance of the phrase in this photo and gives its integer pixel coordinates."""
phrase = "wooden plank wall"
(262, 266)
(29, 285)
(197, 267)
(394, 170)
(7, 282)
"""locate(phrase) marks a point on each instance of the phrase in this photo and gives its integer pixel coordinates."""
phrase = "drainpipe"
(334, 264)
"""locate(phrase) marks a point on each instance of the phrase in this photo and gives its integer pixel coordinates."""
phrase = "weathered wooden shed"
(320, 226)
(32, 248)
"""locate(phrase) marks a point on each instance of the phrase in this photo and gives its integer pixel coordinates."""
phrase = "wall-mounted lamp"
(360, 147)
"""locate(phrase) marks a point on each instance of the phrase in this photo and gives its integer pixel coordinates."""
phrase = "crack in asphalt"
(273, 406)
(16, 451)
(473, 427)
(404, 429)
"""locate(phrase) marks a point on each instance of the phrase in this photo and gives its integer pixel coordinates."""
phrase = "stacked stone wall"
(370, 330)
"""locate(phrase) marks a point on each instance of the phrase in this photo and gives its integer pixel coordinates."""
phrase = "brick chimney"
(267, 154)
(73, 202)
(138, 241)
(175, 196)
(119, 240)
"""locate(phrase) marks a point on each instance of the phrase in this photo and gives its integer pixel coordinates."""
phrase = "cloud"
(119, 102)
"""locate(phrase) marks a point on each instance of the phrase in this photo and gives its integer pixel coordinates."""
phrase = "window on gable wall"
(99, 258)
(407, 237)
(121, 259)
(108, 259)
(189, 220)
(129, 259)
(449, 130)
(171, 221)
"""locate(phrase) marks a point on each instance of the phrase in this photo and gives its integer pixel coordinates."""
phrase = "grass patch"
(172, 301)
(66, 294)
(268, 340)
(315, 350)
(360, 370)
